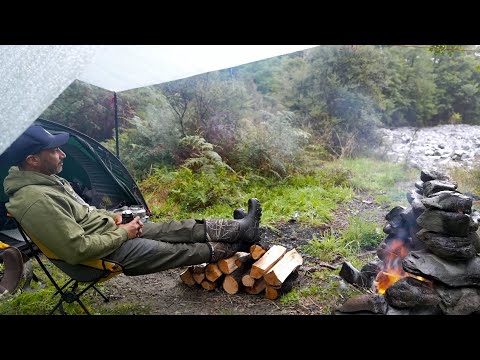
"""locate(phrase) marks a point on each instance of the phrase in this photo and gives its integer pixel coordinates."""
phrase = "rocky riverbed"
(439, 147)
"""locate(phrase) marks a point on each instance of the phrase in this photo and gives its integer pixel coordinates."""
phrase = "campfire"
(428, 263)
(392, 269)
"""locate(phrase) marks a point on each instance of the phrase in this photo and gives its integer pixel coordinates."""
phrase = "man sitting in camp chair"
(48, 208)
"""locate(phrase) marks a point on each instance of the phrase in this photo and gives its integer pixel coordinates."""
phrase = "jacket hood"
(17, 179)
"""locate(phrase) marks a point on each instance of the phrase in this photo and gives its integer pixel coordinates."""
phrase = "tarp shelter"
(34, 76)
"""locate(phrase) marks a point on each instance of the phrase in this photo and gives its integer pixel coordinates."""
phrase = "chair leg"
(103, 296)
(59, 306)
(83, 306)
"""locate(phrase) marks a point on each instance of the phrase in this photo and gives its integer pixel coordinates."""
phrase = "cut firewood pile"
(258, 271)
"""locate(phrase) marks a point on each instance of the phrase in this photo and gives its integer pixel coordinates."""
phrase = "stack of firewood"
(254, 272)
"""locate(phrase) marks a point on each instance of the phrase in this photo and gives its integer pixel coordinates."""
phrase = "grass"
(468, 179)
(358, 237)
(42, 300)
(381, 179)
(326, 293)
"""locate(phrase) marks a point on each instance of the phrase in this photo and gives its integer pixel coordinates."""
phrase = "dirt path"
(164, 293)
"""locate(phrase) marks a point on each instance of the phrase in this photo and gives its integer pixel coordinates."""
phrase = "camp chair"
(89, 272)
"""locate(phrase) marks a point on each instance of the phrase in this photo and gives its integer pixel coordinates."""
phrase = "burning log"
(266, 262)
(392, 270)
(369, 273)
(350, 274)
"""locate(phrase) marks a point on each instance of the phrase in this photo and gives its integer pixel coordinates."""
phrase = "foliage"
(409, 87)
(187, 191)
(198, 155)
(442, 49)
(86, 108)
(269, 144)
(208, 106)
(152, 139)
(457, 88)
(259, 116)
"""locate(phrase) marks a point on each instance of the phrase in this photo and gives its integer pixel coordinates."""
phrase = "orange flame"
(392, 270)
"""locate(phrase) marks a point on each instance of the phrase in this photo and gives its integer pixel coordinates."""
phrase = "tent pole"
(116, 124)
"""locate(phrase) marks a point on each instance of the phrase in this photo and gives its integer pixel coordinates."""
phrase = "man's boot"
(223, 250)
(231, 231)
(239, 213)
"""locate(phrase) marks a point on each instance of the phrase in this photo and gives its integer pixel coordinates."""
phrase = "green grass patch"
(468, 179)
(327, 292)
(357, 237)
(42, 300)
(375, 175)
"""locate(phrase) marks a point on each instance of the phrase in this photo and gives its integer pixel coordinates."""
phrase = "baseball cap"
(33, 140)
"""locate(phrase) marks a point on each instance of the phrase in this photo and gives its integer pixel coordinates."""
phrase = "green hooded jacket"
(49, 209)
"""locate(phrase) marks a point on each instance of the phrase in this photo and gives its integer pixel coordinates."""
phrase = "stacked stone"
(439, 231)
(448, 230)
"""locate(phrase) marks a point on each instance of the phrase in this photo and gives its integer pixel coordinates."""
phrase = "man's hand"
(118, 219)
(134, 227)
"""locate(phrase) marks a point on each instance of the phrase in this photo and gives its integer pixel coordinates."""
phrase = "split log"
(212, 272)
(284, 267)
(198, 277)
(208, 285)
(247, 280)
(244, 260)
(257, 287)
(227, 266)
(274, 293)
(187, 277)
(257, 251)
(232, 282)
(267, 261)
